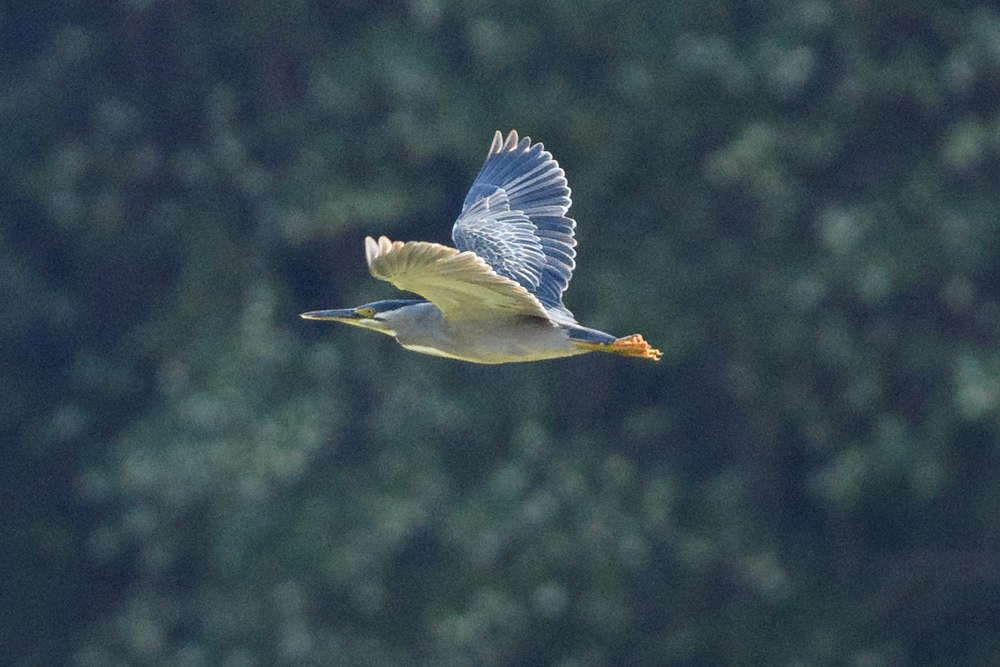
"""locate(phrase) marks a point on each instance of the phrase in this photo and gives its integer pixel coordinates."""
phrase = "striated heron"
(497, 296)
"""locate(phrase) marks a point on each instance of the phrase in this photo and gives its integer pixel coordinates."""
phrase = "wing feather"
(515, 217)
(460, 283)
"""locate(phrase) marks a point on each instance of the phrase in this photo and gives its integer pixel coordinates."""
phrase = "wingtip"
(375, 249)
(511, 142)
(497, 144)
(371, 249)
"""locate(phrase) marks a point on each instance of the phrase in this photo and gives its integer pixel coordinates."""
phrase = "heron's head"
(378, 316)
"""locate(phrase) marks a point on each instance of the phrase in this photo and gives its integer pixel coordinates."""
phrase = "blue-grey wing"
(529, 182)
(504, 238)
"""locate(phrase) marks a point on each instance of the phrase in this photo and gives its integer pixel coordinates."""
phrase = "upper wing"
(504, 238)
(461, 284)
(516, 210)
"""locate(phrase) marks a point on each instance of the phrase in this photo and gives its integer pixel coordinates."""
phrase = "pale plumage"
(497, 296)
(461, 284)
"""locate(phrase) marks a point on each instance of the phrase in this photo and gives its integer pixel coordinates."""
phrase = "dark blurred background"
(797, 201)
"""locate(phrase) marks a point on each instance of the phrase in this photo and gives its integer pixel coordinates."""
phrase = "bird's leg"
(634, 346)
(629, 346)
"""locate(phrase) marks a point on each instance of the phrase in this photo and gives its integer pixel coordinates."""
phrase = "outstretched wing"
(461, 284)
(504, 238)
(514, 217)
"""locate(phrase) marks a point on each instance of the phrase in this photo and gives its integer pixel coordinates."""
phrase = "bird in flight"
(496, 297)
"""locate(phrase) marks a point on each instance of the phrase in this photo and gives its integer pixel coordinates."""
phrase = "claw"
(634, 346)
(629, 346)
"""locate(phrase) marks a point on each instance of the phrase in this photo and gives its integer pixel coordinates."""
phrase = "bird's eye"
(366, 313)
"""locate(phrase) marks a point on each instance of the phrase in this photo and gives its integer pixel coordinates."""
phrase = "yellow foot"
(629, 346)
(634, 346)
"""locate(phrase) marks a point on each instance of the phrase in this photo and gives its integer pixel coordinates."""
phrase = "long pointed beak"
(347, 315)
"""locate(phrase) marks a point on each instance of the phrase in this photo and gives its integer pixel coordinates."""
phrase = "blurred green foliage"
(797, 202)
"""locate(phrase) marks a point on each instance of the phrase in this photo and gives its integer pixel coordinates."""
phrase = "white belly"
(494, 345)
